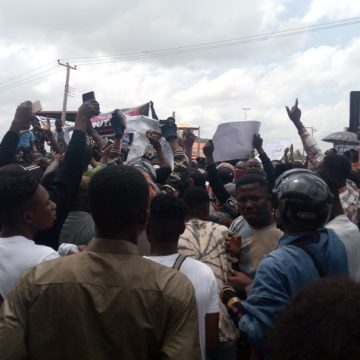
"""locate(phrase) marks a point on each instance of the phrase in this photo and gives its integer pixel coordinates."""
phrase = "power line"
(131, 56)
(25, 73)
(11, 86)
(35, 74)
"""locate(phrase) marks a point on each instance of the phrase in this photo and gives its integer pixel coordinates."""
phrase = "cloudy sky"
(119, 49)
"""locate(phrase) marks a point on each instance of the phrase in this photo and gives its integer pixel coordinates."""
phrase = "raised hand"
(258, 143)
(295, 113)
(22, 118)
(208, 149)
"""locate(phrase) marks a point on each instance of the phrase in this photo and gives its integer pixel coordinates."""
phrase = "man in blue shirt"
(307, 251)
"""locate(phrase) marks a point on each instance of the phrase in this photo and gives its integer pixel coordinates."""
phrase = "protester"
(253, 234)
(306, 252)
(25, 208)
(347, 231)
(349, 193)
(122, 306)
(166, 223)
(321, 322)
(205, 241)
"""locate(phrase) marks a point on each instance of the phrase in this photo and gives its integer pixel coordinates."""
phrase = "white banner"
(234, 140)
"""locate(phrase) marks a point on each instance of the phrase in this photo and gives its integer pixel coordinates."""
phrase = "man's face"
(254, 204)
(41, 210)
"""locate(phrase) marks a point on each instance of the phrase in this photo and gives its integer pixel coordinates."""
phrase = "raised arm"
(311, 147)
(9, 142)
(267, 164)
(66, 183)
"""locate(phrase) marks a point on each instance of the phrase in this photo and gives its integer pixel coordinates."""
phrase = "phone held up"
(88, 96)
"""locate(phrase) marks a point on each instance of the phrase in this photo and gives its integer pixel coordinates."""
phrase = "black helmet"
(302, 199)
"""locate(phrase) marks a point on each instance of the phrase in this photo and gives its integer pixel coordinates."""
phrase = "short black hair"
(196, 198)
(118, 196)
(168, 214)
(337, 165)
(253, 178)
(226, 174)
(15, 190)
(198, 178)
(322, 322)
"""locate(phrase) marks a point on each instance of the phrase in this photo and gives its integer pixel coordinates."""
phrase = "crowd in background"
(104, 258)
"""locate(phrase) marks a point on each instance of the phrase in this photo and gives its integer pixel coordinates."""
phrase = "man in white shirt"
(346, 230)
(165, 225)
(25, 208)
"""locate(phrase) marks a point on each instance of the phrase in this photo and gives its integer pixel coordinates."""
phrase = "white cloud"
(331, 10)
(206, 88)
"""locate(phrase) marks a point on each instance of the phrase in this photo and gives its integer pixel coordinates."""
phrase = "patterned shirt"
(205, 241)
(349, 201)
(350, 197)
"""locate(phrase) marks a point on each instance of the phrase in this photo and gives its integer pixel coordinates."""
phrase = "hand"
(22, 118)
(233, 244)
(295, 113)
(237, 277)
(189, 138)
(86, 111)
(118, 123)
(258, 143)
(208, 149)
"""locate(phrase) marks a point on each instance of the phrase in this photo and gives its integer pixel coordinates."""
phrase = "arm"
(230, 203)
(66, 183)
(268, 297)
(157, 146)
(53, 143)
(212, 317)
(188, 138)
(267, 164)
(9, 143)
(311, 147)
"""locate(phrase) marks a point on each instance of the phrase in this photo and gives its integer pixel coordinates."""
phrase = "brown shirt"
(105, 303)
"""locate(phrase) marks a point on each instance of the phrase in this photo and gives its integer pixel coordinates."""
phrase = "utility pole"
(66, 90)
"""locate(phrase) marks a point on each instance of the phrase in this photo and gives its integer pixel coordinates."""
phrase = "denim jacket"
(282, 273)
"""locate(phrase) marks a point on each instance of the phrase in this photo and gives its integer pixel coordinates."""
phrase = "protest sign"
(275, 148)
(233, 140)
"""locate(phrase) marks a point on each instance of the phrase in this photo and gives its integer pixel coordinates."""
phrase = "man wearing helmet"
(307, 251)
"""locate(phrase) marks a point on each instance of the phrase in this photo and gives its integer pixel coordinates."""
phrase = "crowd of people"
(104, 258)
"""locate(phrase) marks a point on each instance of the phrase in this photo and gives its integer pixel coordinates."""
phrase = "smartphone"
(36, 106)
(88, 96)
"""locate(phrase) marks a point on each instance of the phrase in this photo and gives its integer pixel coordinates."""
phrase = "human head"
(336, 167)
(253, 165)
(198, 203)
(24, 203)
(226, 172)
(118, 201)
(166, 220)
(198, 179)
(302, 201)
(322, 322)
(253, 197)
(240, 169)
